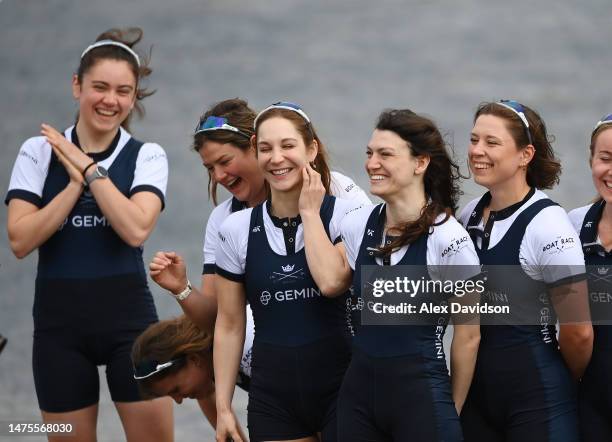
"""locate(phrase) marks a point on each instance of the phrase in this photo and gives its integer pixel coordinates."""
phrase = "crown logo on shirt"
(603, 270)
(288, 268)
(589, 224)
(256, 229)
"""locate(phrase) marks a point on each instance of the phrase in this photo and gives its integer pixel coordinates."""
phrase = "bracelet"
(88, 166)
(182, 295)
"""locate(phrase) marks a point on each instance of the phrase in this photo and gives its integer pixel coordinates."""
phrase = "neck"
(92, 141)
(259, 198)
(505, 196)
(285, 204)
(406, 207)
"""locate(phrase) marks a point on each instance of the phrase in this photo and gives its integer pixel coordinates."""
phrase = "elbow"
(136, 238)
(333, 288)
(19, 249)
(577, 336)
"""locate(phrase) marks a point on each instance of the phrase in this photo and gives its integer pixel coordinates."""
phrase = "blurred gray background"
(343, 61)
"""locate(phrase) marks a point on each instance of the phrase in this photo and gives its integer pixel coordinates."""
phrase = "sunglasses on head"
(213, 123)
(148, 368)
(287, 105)
(519, 110)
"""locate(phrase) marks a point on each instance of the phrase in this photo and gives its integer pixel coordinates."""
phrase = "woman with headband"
(87, 199)
(223, 140)
(174, 358)
(301, 346)
(523, 387)
(594, 223)
(397, 386)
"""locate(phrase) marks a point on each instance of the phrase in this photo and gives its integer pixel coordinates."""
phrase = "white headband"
(112, 43)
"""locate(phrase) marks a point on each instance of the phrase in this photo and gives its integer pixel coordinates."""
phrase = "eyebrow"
(104, 83)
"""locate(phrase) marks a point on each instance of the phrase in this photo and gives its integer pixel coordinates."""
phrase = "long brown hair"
(441, 179)
(544, 168)
(129, 37)
(164, 341)
(309, 134)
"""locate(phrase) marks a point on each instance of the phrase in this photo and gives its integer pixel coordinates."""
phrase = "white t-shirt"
(448, 245)
(234, 233)
(550, 250)
(341, 187)
(32, 165)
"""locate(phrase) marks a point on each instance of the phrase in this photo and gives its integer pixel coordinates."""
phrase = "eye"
(263, 148)
(99, 87)
(288, 146)
(124, 92)
(369, 153)
(473, 140)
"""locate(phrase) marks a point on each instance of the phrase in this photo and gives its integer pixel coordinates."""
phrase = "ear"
(312, 151)
(422, 161)
(254, 143)
(76, 87)
(526, 155)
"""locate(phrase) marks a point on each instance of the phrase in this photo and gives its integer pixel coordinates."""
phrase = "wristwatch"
(98, 172)
(184, 293)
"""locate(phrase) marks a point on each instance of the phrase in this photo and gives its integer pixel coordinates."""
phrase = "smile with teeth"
(106, 113)
(480, 165)
(377, 177)
(233, 182)
(281, 171)
(608, 184)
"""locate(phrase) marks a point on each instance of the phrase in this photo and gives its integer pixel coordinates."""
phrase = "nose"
(219, 173)
(109, 97)
(276, 156)
(372, 164)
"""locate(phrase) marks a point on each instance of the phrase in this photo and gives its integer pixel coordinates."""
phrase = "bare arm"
(575, 331)
(229, 341)
(464, 348)
(133, 219)
(327, 263)
(29, 227)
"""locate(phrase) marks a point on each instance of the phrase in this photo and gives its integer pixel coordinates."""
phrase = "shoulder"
(466, 212)
(552, 217)
(449, 233)
(151, 152)
(35, 149)
(355, 221)
(221, 212)
(344, 187)
(577, 215)
(236, 222)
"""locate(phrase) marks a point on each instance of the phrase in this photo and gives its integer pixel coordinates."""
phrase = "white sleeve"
(551, 251)
(451, 252)
(576, 217)
(211, 235)
(341, 209)
(151, 174)
(345, 188)
(30, 171)
(233, 237)
(352, 228)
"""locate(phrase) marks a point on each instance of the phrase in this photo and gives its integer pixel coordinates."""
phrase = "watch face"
(102, 171)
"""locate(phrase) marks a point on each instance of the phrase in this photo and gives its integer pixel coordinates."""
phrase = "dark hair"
(130, 37)
(163, 341)
(239, 115)
(544, 168)
(308, 133)
(441, 179)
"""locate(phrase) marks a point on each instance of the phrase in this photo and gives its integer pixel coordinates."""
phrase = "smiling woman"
(523, 387)
(87, 199)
